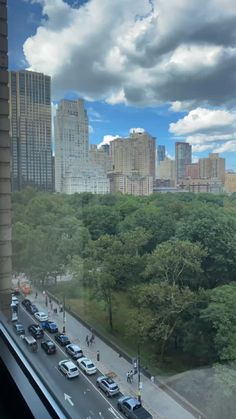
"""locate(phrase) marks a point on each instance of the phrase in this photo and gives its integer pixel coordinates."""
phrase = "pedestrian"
(128, 377)
(93, 338)
(61, 308)
(98, 355)
(87, 340)
(131, 376)
(36, 295)
(46, 301)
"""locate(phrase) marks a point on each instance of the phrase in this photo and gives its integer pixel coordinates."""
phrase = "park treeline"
(173, 254)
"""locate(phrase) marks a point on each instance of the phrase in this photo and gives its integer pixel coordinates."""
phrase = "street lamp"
(64, 315)
(139, 375)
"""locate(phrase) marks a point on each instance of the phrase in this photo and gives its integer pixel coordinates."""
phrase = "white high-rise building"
(74, 172)
(71, 140)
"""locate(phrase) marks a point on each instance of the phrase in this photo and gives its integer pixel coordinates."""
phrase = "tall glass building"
(30, 130)
(183, 157)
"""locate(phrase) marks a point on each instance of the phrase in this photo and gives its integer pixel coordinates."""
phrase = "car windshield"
(73, 369)
(90, 365)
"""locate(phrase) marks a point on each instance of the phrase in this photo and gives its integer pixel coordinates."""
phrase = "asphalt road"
(79, 396)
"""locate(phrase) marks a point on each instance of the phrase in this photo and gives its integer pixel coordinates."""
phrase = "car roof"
(69, 363)
(30, 339)
(74, 346)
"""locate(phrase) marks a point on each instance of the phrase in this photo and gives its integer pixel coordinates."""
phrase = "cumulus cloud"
(142, 52)
(107, 139)
(208, 129)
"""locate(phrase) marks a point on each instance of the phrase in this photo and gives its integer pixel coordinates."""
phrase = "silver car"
(108, 385)
(74, 351)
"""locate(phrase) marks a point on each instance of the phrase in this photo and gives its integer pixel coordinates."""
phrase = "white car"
(87, 366)
(68, 368)
(42, 317)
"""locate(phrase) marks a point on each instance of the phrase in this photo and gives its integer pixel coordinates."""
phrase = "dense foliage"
(174, 254)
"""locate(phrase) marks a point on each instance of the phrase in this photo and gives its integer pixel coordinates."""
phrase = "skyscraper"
(183, 157)
(133, 162)
(71, 139)
(5, 185)
(161, 153)
(30, 130)
(74, 172)
(212, 166)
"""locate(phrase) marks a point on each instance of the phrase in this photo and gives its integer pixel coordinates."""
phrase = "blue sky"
(158, 65)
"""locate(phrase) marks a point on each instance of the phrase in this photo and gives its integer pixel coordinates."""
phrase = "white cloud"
(201, 120)
(142, 52)
(208, 129)
(107, 139)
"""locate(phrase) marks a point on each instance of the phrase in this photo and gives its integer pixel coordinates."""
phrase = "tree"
(177, 262)
(161, 307)
(216, 232)
(220, 314)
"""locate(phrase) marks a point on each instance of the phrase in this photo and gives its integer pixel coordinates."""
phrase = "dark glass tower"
(183, 156)
(31, 137)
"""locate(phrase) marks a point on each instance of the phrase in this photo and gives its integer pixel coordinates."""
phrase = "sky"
(167, 66)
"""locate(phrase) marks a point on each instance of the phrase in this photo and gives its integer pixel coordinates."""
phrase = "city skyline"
(201, 113)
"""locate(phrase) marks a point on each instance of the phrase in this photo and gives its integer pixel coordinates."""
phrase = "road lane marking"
(68, 398)
(113, 412)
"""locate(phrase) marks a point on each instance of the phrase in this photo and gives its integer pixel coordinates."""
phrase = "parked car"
(26, 302)
(32, 308)
(51, 327)
(87, 366)
(68, 368)
(132, 408)
(62, 339)
(108, 385)
(36, 331)
(74, 351)
(19, 328)
(48, 346)
(30, 343)
(41, 316)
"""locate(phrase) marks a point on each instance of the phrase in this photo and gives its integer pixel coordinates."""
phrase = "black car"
(26, 302)
(31, 308)
(62, 339)
(19, 329)
(48, 346)
(36, 331)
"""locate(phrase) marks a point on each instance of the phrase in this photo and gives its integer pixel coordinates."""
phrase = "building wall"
(230, 182)
(192, 171)
(71, 139)
(201, 185)
(31, 137)
(135, 153)
(183, 157)
(167, 169)
(212, 167)
(5, 184)
(130, 184)
(133, 164)
(99, 157)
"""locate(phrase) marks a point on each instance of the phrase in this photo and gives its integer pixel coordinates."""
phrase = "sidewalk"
(154, 399)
